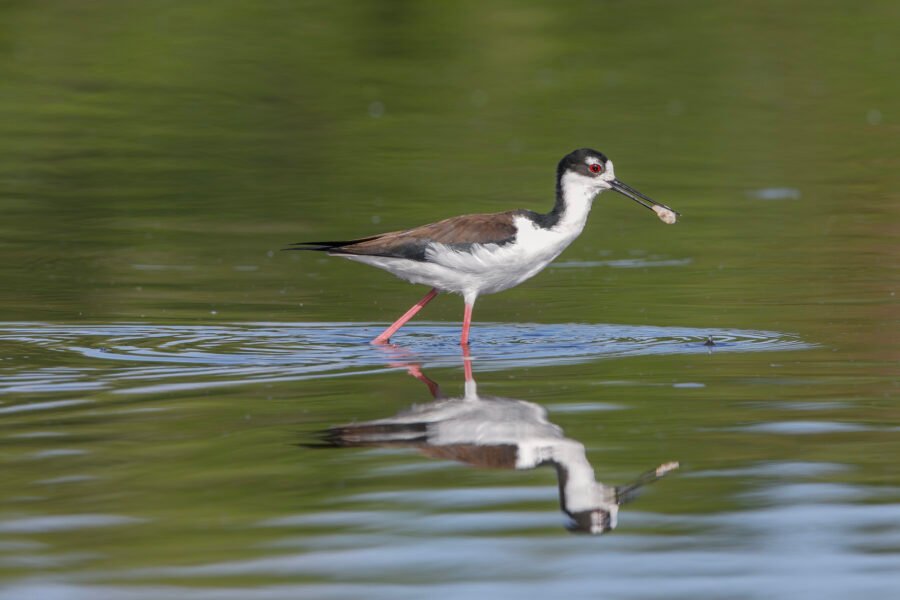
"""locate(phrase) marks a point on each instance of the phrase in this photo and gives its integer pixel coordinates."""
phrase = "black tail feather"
(371, 434)
(326, 246)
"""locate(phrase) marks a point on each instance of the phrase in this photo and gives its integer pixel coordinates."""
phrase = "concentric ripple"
(140, 358)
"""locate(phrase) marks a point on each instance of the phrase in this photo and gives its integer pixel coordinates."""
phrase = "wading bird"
(472, 255)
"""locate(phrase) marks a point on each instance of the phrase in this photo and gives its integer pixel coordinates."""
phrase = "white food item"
(665, 215)
(666, 468)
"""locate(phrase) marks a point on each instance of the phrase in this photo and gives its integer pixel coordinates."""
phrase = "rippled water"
(135, 359)
(186, 412)
(744, 508)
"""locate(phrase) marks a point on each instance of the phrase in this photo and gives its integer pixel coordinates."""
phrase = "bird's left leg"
(385, 335)
(433, 387)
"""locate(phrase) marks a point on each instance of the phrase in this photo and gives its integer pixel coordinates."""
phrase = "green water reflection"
(154, 157)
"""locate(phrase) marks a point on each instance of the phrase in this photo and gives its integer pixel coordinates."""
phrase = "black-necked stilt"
(500, 433)
(473, 255)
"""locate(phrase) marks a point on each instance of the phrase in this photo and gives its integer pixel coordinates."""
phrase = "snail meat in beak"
(667, 216)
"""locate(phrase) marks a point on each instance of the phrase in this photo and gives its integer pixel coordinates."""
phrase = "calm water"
(173, 388)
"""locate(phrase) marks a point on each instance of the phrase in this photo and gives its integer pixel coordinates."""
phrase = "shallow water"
(124, 358)
(169, 378)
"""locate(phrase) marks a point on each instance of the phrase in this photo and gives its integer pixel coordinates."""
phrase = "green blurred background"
(156, 155)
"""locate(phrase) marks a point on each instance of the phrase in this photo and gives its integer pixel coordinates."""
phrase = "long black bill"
(638, 197)
(628, 492)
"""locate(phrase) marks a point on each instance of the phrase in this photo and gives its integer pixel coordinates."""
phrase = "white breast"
(490, 268)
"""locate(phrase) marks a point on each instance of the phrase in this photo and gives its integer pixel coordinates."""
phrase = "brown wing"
(460, 232)
(500, 456)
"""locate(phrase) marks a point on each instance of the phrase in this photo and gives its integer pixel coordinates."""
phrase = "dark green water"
(165, 370)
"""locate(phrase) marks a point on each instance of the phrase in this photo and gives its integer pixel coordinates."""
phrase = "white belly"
(481, 269)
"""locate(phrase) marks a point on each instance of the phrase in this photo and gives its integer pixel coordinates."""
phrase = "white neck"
(581, 490)
(578, 193)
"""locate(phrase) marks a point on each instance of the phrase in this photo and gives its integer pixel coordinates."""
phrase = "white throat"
(578, 193)
(582, 491)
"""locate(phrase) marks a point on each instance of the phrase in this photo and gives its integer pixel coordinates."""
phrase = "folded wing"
(458, 233)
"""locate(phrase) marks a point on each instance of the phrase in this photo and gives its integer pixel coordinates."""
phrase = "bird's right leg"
(467, 364)
(387, 333)
(467, 324)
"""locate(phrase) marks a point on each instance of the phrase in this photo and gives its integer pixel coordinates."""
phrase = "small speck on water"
(774, 193)
(709, 342)
(376, 109)
(479, 98)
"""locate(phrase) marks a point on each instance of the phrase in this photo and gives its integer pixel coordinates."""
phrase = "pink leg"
(467, 364)
(467, 323)
(433, 387)
(387, 333)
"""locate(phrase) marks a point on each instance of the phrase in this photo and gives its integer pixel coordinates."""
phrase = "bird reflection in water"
(505, 433)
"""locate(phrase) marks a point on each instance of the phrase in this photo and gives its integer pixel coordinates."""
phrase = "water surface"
(166, 373)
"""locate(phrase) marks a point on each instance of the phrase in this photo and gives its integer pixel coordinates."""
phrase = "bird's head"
(596, 521)
(587, 169)
(594, 508)
(584, 173)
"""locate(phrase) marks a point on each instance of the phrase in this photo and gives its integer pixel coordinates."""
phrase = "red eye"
(595, 168)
